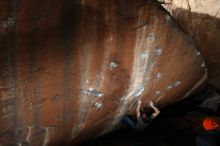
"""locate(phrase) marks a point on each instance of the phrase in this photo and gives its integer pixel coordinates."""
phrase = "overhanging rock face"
(69, 70)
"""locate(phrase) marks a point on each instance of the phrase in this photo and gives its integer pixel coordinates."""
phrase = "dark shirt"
(141, 124)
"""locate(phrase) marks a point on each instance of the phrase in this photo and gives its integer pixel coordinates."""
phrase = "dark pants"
(128, 121)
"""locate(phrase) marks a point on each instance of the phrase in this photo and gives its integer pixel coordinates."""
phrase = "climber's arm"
(156, 110)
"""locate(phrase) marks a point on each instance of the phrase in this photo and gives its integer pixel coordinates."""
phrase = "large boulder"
(69, 70)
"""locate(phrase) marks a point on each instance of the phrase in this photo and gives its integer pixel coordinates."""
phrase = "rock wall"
(69, 70)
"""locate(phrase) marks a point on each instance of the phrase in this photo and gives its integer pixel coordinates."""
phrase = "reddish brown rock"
(69, 70)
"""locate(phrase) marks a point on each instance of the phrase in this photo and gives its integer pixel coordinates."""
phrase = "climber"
(142, 119)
